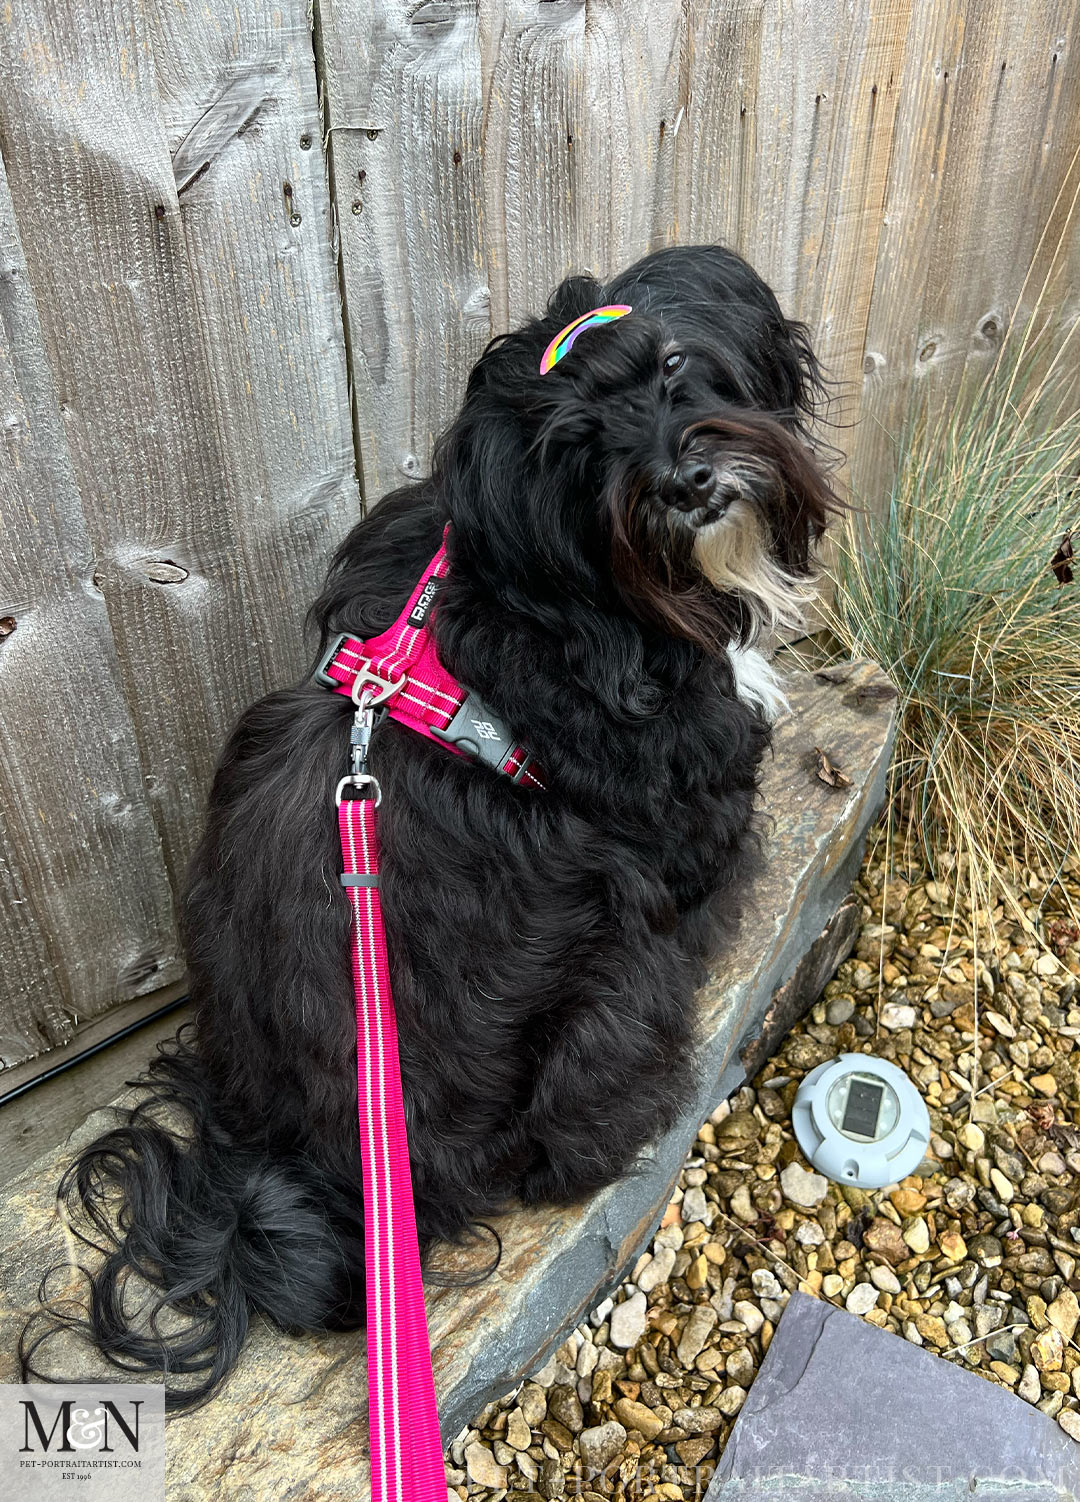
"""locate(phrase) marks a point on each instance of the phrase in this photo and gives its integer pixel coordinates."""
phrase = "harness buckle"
(321, 676)
(478, 734)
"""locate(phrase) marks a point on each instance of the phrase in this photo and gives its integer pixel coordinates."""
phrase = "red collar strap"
(400, 669)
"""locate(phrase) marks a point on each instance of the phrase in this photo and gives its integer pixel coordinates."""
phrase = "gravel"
(975, 1257)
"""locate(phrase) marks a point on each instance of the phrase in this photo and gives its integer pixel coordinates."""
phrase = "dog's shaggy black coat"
(545, 946)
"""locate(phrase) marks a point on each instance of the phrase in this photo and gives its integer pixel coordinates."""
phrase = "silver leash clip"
(364, 722)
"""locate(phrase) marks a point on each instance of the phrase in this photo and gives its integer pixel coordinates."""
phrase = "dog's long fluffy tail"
(211, 1232)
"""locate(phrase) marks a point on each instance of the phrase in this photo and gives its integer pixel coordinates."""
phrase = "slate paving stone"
(843, 1409)
(291, 1422)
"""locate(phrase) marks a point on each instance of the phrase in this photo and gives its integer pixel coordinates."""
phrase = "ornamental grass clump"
(962, 588)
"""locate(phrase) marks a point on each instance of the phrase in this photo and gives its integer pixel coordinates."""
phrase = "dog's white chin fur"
(732, 555)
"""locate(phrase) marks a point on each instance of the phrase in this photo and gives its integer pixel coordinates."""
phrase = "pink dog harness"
(399, 672)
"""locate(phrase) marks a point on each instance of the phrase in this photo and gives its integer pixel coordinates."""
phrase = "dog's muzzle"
(694, 489)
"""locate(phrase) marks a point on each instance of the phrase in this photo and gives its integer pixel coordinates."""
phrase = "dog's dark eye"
(673, 362)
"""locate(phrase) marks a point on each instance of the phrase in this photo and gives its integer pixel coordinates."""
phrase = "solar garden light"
(861, 1121)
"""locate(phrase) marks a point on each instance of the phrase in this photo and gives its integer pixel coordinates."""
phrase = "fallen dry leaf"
(829, 774)
(1062, 933)
(1061, 562)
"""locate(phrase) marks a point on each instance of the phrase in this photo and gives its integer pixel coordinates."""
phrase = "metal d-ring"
(358, 779)
(385, 688)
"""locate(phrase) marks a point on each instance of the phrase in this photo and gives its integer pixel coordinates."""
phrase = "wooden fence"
(196, 266)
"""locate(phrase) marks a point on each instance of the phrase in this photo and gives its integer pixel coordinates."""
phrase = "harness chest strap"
(400, 668)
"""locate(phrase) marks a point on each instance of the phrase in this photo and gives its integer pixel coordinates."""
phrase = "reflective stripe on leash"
(398, 673)
(406, 1448)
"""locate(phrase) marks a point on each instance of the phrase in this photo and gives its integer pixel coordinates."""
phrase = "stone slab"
(841, 1409)
(291, 1422)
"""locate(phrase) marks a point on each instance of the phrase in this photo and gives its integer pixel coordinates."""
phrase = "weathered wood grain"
(404, 139)
(581, 106)
(193, 330)
(169, 189)
(85, 908)
(784, 154)
(988, 122)
(43, 1118)
(292, 1421)
(606, 130)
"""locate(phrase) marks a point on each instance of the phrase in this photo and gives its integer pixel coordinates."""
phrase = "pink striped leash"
(399, 674)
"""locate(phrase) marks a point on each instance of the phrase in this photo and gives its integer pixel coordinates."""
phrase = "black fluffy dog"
(621, 530)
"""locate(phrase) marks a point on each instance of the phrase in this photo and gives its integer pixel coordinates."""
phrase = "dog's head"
(662, 464)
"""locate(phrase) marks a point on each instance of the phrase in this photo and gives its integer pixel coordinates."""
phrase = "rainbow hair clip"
(565, 338)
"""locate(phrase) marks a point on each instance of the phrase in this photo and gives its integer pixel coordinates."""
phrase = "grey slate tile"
(841, 1409)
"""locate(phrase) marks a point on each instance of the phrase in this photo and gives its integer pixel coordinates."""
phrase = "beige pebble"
(742, 1207)
(908, 1201)
(1048, 1350)
(633, 1415)
(932, 1328)
(731, 1400)
(748, 1315)
(1030, 1388)
(1069, 1419)
(972, 1137)
(862, 1298)
(657, 1270)
(697, 1273)
(953, 1245)
(483, 1467)
(1045, 1084)
(917, 1236)
(885, 1279)
(1004, 1190)
(1064, 1313)
(518, 1433)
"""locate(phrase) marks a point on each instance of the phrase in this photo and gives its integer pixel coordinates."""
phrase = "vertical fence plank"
(534, 137)
(189, 311)
(581, 108)
(85, 908)
(405, 143)
(478, 155)
(715, 158)
(168, 182)
(239, 106)
(988, 123)
(785, 154)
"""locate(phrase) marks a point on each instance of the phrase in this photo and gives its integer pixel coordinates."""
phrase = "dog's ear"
(801, 384)
(573, 296)
(515, 354)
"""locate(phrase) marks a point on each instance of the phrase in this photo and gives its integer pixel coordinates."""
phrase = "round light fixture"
(861, 1121)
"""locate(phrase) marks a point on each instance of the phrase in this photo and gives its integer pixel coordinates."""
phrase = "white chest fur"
(756, 681)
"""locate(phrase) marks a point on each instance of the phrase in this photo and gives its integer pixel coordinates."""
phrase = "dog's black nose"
(691, 484)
